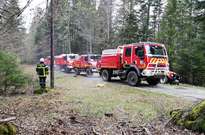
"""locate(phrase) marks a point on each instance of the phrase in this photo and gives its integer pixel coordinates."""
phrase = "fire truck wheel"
(89, 72)
(77, 72)
(67, 70)
(106, 76)
(100, 73)
(153, 81)
(164, 80)
(133, 78)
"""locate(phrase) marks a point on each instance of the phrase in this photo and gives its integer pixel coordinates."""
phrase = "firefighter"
(42, 71)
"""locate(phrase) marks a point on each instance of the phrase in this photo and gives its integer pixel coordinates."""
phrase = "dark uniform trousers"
(42, 82)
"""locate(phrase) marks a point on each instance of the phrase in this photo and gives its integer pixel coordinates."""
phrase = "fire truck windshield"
(95, 57)
(156, 50)
(71, 57)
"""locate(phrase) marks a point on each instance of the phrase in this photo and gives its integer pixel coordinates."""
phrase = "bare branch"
(7, 119)
(16, 15)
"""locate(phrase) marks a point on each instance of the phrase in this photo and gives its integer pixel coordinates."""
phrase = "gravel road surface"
(189, 92)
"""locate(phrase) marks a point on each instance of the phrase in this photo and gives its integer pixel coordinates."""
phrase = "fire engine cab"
(135, 62)
(86, 63)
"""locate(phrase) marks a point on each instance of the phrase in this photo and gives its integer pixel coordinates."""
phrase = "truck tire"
(132, 78)
(67, 70)
(77, 72)
(106, 75)
(100, 73)
(164, 80)
(153, 81)
(89, 72)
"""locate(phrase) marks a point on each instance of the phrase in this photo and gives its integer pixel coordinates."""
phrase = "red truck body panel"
(86, 61)
(47, 61)
(112, 62)
(60, 60)
(81, 62)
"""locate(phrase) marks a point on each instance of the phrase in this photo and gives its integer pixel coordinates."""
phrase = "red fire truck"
(47, 60)
(86, 63)
(60, 61)
(135, 62)
(63, 61)
(70, 58)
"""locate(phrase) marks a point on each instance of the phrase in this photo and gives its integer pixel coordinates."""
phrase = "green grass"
(121, 100)
(81, 94)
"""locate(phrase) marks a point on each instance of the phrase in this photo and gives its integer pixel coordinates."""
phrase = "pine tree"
(11, 30)
(182, 35)
(128, 30)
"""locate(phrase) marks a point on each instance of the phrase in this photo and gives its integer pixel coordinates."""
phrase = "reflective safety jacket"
(42, 70)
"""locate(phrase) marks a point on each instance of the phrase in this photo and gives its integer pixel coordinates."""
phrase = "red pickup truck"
(135, 62)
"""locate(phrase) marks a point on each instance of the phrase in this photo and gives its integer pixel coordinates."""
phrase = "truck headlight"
(141, 61)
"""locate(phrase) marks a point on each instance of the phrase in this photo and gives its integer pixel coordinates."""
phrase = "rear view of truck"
(135, 62)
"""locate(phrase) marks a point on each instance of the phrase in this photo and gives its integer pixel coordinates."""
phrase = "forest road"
(189, 92)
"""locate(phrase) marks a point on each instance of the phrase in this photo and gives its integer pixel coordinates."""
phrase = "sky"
(29, 12)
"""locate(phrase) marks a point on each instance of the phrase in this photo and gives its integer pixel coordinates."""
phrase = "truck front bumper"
(70, 67)
(157, 72)
(95, 70)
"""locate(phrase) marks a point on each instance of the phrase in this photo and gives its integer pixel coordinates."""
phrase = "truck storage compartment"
(110, 59)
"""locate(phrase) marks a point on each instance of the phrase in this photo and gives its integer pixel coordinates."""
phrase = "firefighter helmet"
(41, 59)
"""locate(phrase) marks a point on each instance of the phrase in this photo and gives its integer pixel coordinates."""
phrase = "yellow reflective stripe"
(152, 60)
(41, 76)
(44, 71)
(158, 60)
(162, 61)
(155, 60)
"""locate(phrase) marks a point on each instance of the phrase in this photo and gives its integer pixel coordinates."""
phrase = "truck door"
(139, 57)
(127, 55)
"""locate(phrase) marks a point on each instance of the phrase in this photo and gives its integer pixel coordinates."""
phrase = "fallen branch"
(7, 119)
(147, 131)
(168, 122)
(95, 132)
(121, 129)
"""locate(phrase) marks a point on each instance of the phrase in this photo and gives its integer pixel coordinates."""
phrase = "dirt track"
(189, 92)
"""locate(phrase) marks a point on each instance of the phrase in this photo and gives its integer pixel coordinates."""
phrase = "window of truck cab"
(128, 51)
(95, 57)
(139, 51)
(85, 58)
(155, 50)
